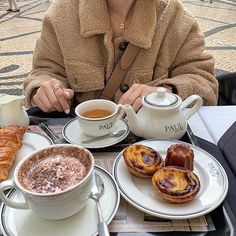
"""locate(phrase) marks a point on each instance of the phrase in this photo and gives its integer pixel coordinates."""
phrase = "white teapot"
(163, 115)
(12, 112)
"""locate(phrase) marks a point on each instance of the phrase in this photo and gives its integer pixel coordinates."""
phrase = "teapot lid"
(161, 98)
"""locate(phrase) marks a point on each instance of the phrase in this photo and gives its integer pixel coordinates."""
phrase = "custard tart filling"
(142, 161)
(176, 184)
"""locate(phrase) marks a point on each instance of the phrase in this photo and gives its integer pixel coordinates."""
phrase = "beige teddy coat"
(76, 47)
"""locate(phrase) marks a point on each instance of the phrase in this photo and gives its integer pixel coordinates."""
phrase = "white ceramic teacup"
(97, 117)
(61, 203)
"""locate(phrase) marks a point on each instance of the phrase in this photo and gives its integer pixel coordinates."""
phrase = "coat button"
(124, 88)
(123, 45)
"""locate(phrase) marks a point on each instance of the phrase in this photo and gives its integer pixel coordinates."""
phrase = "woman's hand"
(52, 96)
(134, 95)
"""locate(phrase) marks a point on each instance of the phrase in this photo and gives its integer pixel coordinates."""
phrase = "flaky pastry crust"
(176, 184)
(142, 161)
(10, 142)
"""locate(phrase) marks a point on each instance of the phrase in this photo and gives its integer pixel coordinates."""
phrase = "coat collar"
(141, 23)
(93, 16)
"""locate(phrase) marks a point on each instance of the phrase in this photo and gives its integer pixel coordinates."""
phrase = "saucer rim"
(95, 146)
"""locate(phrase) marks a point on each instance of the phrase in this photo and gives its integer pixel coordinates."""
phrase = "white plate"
(72, 133)
(31, 142)
(139, 192)
(16, 222)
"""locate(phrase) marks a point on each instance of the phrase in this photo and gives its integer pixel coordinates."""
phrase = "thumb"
(68, 93)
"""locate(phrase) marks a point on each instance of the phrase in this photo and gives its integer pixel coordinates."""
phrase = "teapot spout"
(133, 120)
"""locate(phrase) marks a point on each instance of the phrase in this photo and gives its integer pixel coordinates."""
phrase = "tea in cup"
(55, 181)
(97, 117)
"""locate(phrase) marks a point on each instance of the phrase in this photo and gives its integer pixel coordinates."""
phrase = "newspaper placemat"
(130, 219)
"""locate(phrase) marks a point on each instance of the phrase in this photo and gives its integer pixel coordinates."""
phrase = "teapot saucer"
(73, 134)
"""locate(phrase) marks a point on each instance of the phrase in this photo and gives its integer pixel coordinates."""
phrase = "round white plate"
(72, 133)
(15, 222)
(139, 192)
(31, 142)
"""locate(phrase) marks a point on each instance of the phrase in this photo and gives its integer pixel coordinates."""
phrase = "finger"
(39, 103)
(131, 95)
(53, 98)
(61, 95)
(46, 97)
(47, 94)
(137, 104)
(69, 93)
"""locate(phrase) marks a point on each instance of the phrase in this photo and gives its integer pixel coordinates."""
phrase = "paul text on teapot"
(174, 127)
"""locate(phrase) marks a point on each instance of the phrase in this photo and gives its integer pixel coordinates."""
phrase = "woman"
(81, 41)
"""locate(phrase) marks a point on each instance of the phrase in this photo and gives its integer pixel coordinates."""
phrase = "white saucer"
(72, 133)
(15, 222)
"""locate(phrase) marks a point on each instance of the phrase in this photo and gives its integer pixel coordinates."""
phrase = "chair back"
(227, 89)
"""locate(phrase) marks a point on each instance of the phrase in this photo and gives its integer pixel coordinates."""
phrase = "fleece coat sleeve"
(47, 61)
(192, 71)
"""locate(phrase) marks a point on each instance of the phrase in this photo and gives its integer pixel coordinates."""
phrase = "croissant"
(10, 142)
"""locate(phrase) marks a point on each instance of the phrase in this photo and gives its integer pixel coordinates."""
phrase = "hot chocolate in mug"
(55, 181)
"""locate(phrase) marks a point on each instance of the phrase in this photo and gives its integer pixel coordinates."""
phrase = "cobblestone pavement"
(19, 31)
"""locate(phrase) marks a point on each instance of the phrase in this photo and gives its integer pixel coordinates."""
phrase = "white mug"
(96, 126)
(52, 205)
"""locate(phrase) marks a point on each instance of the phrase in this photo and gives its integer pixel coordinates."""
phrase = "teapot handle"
(190, 111)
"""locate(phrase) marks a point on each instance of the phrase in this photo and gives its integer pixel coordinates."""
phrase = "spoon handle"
(94, 139)
(102, 226)
(103, 229)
